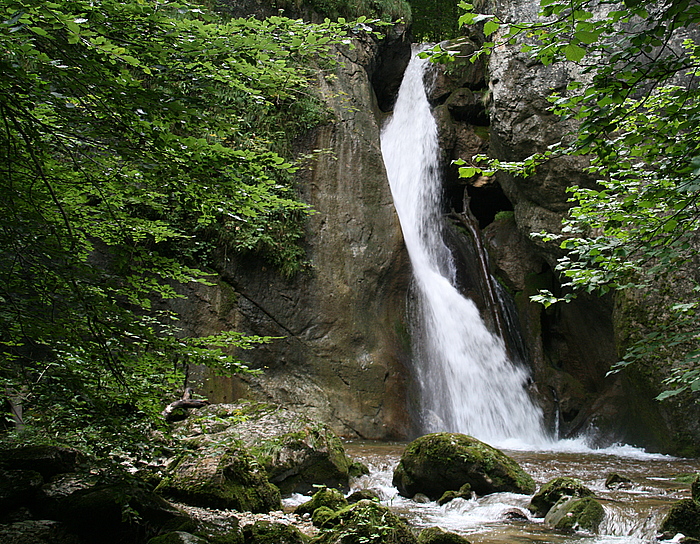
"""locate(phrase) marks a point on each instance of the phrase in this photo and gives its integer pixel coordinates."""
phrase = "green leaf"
(574, 53)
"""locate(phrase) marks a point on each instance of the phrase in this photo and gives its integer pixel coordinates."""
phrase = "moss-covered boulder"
(296, 452)
(115, 511)
(695, 488)
(617, 481)
(362, 494)
(221, 478)
(551, 492)
(268, 532)
(330, 498)
(321, 515)
(465, 492)
(362, 522)
(575, 513)
(439, 462)
(435, 535)
(684, 517)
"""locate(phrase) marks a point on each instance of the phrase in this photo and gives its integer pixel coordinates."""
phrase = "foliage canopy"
(637, 107)
(129, 146)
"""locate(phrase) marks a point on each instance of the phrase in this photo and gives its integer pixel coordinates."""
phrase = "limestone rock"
(440, 462)
(221, 478)
(296, 452)
(575, 513)
(551, 492)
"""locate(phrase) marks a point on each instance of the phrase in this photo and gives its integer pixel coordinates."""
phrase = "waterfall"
(467, 384)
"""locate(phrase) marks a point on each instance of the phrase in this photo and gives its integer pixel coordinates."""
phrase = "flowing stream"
(467, 384)
(632, 514)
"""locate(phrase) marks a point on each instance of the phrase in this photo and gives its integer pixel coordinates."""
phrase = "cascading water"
(467, 382)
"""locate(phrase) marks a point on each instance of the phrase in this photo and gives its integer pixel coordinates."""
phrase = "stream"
(632, 515)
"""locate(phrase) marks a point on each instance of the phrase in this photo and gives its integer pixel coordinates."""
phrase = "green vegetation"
(130, 154)
(384, 10)
(638, 118)
(435, 20)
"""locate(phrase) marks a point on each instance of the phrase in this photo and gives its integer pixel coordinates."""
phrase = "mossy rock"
(362, 494)
(297, 452)
(617, 481)
(177, 537)
(18, 487)
(222, 479)
(46, 460)
(684, 517)
(330, 498)
(439, 462)
(465, 492)
(363, 522)
(571, 514)
(435, 535)
(321, 515)
(695, 488)
(357, 469)
(269, 532)
(550, 493)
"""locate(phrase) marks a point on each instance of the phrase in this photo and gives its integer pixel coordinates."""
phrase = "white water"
(467, 383)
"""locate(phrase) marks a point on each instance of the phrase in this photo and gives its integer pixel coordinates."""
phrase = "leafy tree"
(638, 116)
(127, 152)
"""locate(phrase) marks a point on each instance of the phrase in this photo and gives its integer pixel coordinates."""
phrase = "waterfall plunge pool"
(632, 516)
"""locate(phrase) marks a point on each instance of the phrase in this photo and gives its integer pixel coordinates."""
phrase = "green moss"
(267, 532)
(439, 462)
(357, 469)
(329, 498)
(321, 515)
(550, 493)
(684, 517)
(577, 513)
(366, 522)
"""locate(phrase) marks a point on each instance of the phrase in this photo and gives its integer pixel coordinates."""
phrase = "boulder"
(267, 532)
(321, 515)
(435, 535)
(37, 532)
(365, 521)
(617, 481)
(695, 489)
(17, 487)
(221, 478)
(550, 493)
(330, 498)
(441, 462)
(118, 511)
(465, 492)
(684, 517)
(46, 460)
(362, 494)
(575, 513)
(296, 452)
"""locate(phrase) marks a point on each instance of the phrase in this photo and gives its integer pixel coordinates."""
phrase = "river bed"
(632, 515)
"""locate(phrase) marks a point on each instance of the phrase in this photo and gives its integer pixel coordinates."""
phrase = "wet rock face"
(440, 462)
(343, 349)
